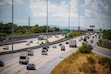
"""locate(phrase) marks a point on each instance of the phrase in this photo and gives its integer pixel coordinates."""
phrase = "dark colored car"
(31, 67)
(67, 42)
(91, 41)
(45, 47)
(30, 41)
(54, 46)
(60, 44)
(1, 63)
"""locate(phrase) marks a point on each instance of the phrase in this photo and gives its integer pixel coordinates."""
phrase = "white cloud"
(38, 8)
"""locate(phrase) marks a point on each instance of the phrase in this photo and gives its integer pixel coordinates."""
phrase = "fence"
(106, 43)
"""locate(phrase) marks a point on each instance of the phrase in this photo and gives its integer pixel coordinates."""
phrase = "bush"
(99, 43)
(86, 48)
(41, 43)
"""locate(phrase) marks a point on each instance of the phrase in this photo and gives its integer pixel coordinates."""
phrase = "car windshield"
(22, 57)
(30, 64)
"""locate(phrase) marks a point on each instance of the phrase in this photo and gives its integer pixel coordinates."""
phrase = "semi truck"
(72, 43)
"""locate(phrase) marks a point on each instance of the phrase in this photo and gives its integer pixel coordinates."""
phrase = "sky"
(86, 12)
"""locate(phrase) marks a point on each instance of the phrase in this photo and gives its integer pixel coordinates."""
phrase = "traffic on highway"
(43, 60)
(29, 43)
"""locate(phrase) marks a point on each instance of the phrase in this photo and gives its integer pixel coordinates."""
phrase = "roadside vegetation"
(77, 33)
(106, 39)
(84, 62)
(6, 29)
(107, 34)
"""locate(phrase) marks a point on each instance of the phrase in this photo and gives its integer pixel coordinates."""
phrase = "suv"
(44, 52)
(24, 58)
(62, 48)
(30, 52)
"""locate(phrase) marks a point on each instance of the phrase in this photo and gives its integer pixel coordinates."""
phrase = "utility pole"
(85, 24)
(79, 21)
(69, 19)
(29, 22)
(47, 19)
(12, 23)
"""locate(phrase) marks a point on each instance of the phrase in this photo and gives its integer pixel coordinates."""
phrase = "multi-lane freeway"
(44, 63)
(36, 42)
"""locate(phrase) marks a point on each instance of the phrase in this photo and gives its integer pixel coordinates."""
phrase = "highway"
(35, 40)
(44, 63)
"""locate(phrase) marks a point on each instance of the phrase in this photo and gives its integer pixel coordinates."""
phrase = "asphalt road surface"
(44, 63)
(23, 45)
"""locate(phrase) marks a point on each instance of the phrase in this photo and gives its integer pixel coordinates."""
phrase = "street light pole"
(79, 21)
(47, 20)
(12, 24)
(85, 23)
(29, 22)
(69, 18)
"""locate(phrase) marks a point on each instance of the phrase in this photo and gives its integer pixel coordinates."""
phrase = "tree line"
(107, 34)
(6, 29)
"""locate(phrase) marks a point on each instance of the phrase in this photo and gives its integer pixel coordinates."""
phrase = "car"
(30, 52)
(37, 42)
(54, 46)
(28, 44)
(1, 63)
(31, 66)
(56, 36)
(60, 44)
(30, 41)
(91, 41)
(62, 48)
(67, 42)
(44, 52)
(45, 47)
(79, 39)
(5, 47)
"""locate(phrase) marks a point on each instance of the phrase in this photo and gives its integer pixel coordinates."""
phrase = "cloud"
(38, 8)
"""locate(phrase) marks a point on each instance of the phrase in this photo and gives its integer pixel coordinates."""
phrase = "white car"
(44, 52)
(28, 44)
(5, 47)
(23, 58)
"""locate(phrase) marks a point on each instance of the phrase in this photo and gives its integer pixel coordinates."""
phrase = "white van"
(23, 58)
(30, 52)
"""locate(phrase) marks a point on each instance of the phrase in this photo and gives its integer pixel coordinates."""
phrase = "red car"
(62, 48)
